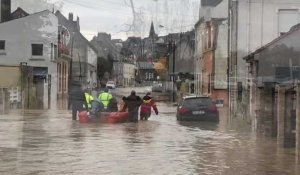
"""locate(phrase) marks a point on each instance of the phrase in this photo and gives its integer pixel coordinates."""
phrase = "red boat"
(106, 117)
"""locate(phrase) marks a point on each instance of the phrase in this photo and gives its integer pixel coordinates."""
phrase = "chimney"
(70, 16)
(78, 25)
(5, 10)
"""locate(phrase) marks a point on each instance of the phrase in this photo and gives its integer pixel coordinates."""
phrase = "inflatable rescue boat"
(105, 117)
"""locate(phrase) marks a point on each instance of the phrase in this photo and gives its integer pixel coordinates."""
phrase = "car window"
(197, 102)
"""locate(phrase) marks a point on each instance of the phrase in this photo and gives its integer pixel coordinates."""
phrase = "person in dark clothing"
(77, 99)
(132, 102)
(148, 103)
(113, 105)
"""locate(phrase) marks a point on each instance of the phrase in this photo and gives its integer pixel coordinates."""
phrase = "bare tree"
(137, 23)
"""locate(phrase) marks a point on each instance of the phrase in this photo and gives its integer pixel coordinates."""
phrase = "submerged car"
(197, 108)
(110, 85)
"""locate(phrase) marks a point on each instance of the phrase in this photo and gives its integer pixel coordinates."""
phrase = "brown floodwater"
(49, 142)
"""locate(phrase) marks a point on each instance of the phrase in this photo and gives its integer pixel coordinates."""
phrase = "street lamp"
(173, 47)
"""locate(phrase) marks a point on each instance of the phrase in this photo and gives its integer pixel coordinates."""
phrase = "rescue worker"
(148, 103)
(77, 99)
(105, 98)
(88, 98)
(132, 102)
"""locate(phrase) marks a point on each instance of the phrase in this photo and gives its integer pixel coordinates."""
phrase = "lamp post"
(172, 46)
(173, 70)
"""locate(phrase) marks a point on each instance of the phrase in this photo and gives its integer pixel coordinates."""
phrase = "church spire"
(152, 33)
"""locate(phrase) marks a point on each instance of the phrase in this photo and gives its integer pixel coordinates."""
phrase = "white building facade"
(92, 67)
(32, 42)
(261, 21)
(125, 74)
(254, 23)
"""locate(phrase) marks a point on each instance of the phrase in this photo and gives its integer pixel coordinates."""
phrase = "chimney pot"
(70, 16)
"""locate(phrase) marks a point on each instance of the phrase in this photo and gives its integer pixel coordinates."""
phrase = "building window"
(151, 76)
(2, 45)
(209, 84)
(37, 49)
(287, 18)
(208, 36)
(55, 52)
(146, 75)
(52, 53)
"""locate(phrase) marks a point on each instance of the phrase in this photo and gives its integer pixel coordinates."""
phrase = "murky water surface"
(47, 142)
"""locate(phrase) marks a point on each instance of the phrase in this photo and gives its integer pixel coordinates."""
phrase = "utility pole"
(173, 69)
(71, 67)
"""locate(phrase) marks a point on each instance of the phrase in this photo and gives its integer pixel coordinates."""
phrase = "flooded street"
(47, 142)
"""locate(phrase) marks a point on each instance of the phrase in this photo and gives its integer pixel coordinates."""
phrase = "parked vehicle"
(157, 88)
(197, 108)
(110, 85)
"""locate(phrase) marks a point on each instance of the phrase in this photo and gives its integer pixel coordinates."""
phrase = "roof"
(73, 23)
(19, 13)
(30, 15)
(145, 65)
(293, 29)
(195, 96)
(87, 42)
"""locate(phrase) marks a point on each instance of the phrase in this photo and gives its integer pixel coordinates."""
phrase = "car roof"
(194, 96)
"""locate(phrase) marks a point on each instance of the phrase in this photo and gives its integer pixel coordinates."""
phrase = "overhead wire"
(111, 7)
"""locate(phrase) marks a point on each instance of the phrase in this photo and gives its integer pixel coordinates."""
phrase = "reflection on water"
(62, 103)
(47, 142)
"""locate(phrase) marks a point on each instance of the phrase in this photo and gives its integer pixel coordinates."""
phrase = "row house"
(83, 66)
(253, 24)
(227, 31)
(211, 51)
(274, 70)
(35, 39)
(125, 73)
(108, 52)
(146, 73)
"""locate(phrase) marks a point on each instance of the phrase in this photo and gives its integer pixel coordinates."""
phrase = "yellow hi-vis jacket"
(105, 97)
(88, 99)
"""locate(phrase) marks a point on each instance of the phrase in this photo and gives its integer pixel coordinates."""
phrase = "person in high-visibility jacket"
(88, 98)
(105, 98)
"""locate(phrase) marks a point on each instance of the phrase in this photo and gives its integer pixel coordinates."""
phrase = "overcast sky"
(115, 16)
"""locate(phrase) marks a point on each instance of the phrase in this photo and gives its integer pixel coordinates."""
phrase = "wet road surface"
(48, 142)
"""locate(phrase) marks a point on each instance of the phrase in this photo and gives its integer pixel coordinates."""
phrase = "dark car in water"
(199, 108)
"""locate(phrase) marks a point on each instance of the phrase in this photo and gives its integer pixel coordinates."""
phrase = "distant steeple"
(152, 33)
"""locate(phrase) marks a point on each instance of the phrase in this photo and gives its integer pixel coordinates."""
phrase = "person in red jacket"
(148, 103)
